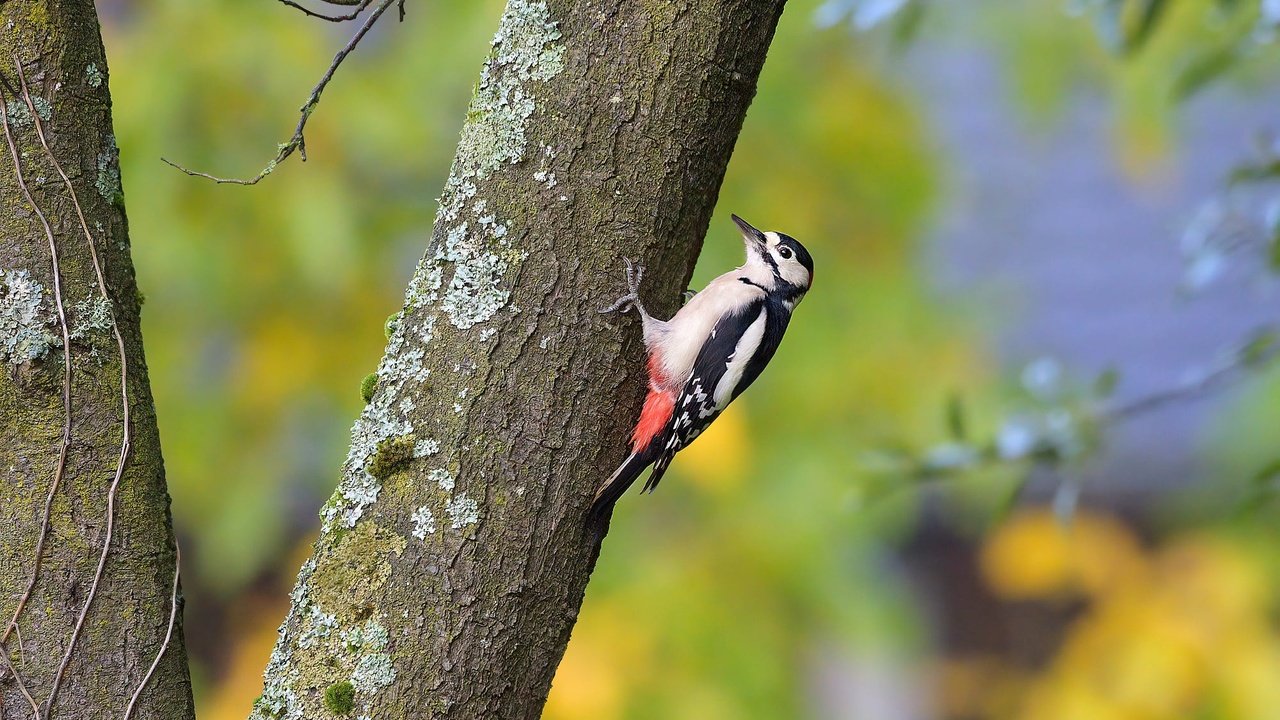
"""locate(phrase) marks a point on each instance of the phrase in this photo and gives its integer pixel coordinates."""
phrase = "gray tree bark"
(454, 554)
(88, 626)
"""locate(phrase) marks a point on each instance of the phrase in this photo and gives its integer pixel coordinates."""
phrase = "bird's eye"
(785, 252)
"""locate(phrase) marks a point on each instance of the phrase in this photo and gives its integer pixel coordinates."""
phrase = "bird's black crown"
(802, 255)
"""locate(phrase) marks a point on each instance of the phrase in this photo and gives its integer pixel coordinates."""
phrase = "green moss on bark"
(340, 697)
(392, 455)
(368, 386)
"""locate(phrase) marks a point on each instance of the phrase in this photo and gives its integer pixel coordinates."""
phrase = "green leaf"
(1274, 255)
(1148, 20)
(1105, 384)
(949, 458)
(1008, 501)
(1268, 475)
(1255, 172)
(1202, 71)
(907, 24)
(956, 424)
(1110, 26)
(1260, 349)
(1262, 489)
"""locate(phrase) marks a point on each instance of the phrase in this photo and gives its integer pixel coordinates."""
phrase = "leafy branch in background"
(1123, 27)
(1055, 421)
(903, 16)
(1241, 226)
(297, 143)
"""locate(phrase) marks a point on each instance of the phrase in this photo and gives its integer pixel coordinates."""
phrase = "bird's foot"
(634, 273)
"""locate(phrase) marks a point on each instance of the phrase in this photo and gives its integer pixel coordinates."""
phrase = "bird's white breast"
(693, 324)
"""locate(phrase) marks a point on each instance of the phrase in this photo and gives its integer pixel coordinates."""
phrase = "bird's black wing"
(776, 321)
(695, 406)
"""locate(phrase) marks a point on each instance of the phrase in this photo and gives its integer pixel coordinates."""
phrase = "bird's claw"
(624, 304)
(634, 273)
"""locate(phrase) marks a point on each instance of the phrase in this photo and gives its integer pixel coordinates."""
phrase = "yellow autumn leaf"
(1036, 556)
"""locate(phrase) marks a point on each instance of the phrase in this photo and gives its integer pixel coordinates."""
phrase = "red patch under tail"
(653, 418)
(658, 407)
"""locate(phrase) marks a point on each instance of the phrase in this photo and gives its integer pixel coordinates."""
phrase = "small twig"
(1185, 390)
(22, 687)
(331, 18)
(168, 635)
(298, 143)
(66, 348)
(126, 434)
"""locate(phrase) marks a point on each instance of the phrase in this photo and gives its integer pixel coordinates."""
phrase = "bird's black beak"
(754, 239)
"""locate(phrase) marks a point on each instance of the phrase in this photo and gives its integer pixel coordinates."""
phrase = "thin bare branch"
(168, 635)
(298, 143)
(1225, 371)
(331, 18)
(60, 469)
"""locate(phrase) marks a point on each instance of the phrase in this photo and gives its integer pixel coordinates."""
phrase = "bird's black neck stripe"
(773, 264)
(785, 292)
(788, 292)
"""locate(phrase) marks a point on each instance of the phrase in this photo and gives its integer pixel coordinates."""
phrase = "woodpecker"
(709, 352)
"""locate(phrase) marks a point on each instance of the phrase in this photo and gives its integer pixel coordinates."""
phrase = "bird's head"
(778, 259)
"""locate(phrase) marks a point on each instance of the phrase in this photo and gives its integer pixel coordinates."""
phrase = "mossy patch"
(392, 455)
(348, 579)
(368, 385)
(340, 697)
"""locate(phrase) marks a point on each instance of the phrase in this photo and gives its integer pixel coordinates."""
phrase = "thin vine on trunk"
(89, 592)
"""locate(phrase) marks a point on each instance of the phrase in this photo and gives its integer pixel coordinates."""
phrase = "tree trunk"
(454, 554)
(92, 625)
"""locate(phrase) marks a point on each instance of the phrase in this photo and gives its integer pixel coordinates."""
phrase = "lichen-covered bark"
(58, 46)
(454, 554)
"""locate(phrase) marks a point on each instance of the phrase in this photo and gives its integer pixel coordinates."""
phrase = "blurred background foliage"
(895, 541)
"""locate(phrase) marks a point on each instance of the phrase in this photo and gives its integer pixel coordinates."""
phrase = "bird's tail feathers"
(617, 484)
(659, 468)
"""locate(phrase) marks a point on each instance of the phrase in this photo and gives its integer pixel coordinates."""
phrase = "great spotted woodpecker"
(709, 352)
